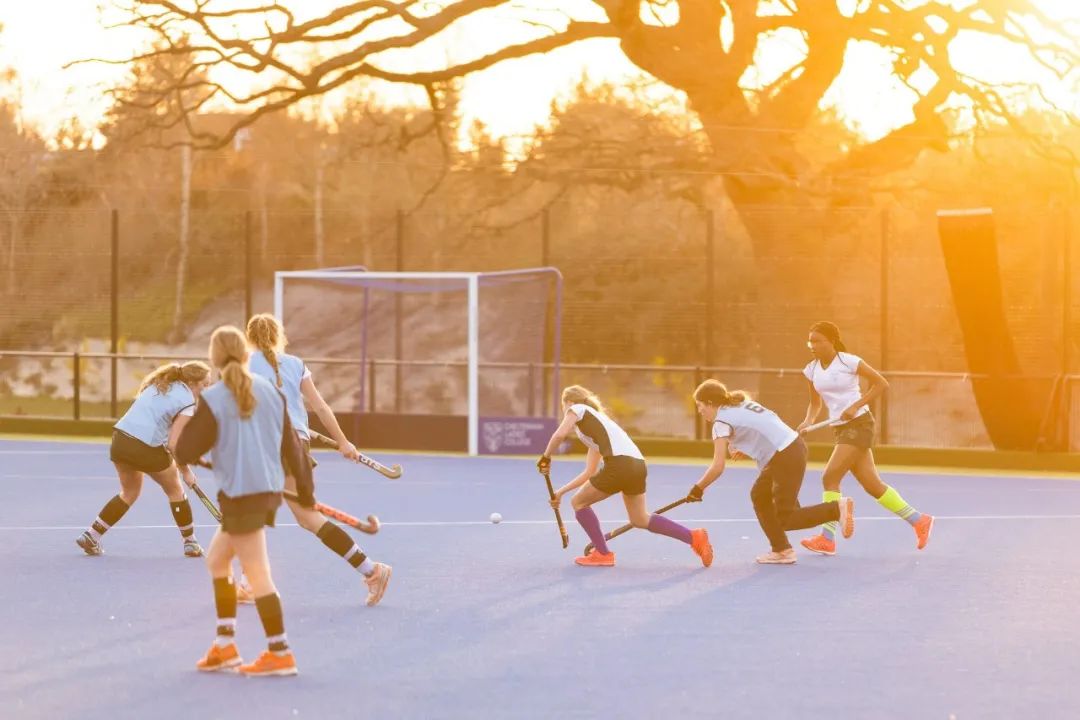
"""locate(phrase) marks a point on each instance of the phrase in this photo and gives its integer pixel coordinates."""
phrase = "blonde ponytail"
(714, 392)
(237, 378)
(228, 353)
(166, 375)
(161, 378)
(265, 334)
(576, 394)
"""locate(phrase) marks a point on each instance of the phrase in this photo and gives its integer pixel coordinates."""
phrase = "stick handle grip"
(558, 515)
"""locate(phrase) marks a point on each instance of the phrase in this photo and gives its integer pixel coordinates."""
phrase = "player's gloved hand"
(188, 476)
(696, 493)
(543, 464)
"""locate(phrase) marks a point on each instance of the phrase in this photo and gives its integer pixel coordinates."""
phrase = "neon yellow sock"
(829, 528)
(892, 502)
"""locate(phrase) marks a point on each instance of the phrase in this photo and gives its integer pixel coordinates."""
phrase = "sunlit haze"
(511, 98)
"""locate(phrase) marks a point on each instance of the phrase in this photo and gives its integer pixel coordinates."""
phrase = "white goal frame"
(472, 286)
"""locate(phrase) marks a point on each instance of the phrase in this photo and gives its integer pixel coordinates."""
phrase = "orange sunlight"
(512, 98)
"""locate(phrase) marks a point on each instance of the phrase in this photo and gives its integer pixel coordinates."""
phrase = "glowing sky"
(40, 37)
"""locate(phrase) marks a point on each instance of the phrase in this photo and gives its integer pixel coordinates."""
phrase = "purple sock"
(588, 520)
(661, 525)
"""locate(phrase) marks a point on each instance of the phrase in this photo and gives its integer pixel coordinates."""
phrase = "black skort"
(134, 453)
(621, 474)
(248, 513)
(858, 432)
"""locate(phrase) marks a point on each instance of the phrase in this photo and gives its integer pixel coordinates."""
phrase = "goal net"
(431, 361)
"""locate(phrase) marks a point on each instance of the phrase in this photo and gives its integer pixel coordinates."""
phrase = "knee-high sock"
(591, 524)
(181, 512)
(892, 501)
(109, 516)
(662, 526)
(829, 528)
(273, 622)
(339, 541)
(225, 604)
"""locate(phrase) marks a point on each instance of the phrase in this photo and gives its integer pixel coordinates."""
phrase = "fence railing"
(922, 409)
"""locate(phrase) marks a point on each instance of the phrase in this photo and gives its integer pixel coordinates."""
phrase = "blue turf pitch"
(495, 621)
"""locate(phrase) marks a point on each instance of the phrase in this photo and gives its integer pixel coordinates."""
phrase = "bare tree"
(708, 49)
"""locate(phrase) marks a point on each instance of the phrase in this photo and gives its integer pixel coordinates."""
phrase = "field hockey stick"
(623, 529)
(210, 506)
(558, 515)
(370, 526)
(393, 472)
(822, 424)
(203, 497)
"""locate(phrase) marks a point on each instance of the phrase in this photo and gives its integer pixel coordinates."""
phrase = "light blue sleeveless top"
(247, 454)
(292, 371)
(151, 416)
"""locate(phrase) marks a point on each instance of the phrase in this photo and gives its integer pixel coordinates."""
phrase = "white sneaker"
(377, 582)
(784, 557)
(244, 594)
(847, 517)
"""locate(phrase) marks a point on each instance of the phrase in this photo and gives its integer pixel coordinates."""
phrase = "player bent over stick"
(140, 445)
(243, 423)
(289, 374)
(780, 454)
(624, 471)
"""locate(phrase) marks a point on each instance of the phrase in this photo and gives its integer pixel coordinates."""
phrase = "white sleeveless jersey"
(838, 384)
(603, 434)
(753, 430)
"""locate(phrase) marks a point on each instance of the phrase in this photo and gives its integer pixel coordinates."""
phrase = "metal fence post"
(699, 422)
(371, 385)
(398, 340)
(114, 314)
(76, 383)
(710, 284)
(884, 320)
(545, 238)
(532, 390)
(247, 268)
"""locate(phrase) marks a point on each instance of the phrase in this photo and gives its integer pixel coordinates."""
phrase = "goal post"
(472, 355)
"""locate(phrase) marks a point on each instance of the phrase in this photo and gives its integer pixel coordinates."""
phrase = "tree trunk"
(184, 235)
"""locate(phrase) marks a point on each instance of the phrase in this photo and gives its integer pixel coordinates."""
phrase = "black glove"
(695, 494)
(543, 464)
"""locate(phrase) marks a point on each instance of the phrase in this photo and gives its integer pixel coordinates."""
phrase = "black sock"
(181, 512)
(269, 607)
(339, 541)
(225, 603)
(110, 515)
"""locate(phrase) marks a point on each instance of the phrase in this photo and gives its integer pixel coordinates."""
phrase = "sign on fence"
(515, 436)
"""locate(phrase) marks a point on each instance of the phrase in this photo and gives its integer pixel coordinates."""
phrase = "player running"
(141, 441)
(833, 381)
(780, 454)
(623, 471)
(290, 375)
(242, 422)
